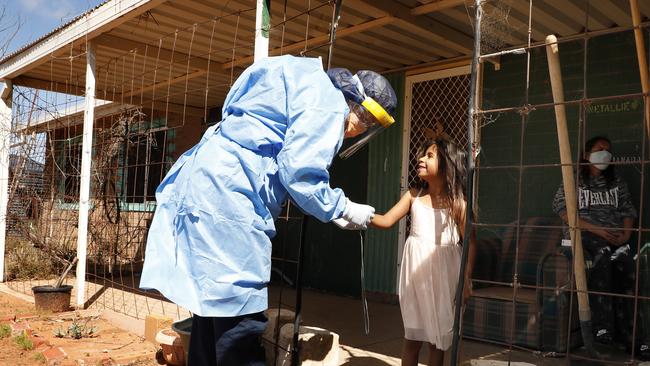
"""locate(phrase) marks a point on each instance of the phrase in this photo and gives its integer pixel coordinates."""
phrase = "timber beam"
(156, 104)
(439, 33)
(158, 53)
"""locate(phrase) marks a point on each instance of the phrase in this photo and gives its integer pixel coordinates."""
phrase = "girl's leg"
(411, 352)
(436, 356)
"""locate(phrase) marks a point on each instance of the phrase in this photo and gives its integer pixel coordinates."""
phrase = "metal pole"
(262, 26)
(295, 348)
(470, 183)
(336, 15)
(86, 160)
(5, 141)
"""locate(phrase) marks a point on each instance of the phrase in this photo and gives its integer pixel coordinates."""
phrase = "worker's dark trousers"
(235, 341)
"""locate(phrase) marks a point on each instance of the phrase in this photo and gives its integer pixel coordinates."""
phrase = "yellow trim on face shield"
(378, 112)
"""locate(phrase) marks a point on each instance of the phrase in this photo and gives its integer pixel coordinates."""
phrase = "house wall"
(188, 133)
(384, 171)
(109, 242)
(332, 256)
(57, 230)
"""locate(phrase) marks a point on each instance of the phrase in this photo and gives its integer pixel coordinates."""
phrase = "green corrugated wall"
(384, 170)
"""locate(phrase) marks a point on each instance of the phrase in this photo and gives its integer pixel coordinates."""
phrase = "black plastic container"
(50, 298)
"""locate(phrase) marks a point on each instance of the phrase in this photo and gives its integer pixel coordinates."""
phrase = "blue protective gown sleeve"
(315, 124)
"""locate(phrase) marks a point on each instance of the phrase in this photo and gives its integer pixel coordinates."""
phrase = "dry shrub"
(23, 261)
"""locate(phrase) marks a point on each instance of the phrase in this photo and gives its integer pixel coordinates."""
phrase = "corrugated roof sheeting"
(184, 55)
(181, 51)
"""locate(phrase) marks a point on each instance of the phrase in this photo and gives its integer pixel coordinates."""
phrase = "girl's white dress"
(429, 275)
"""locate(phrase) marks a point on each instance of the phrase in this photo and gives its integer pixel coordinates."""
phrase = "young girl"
(432, 253)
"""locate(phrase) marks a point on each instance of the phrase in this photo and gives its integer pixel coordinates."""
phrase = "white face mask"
(600, 159)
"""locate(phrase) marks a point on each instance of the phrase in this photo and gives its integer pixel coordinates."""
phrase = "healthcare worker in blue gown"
(209, 244)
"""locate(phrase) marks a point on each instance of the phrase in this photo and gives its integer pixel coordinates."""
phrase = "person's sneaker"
(603, 336)
(643, 352)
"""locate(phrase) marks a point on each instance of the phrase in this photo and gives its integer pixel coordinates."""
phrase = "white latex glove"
(358, 214)
(345, 224)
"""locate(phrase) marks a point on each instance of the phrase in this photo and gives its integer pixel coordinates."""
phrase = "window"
(147, 159)
(126, 170)
(69, 168)
(144, 166)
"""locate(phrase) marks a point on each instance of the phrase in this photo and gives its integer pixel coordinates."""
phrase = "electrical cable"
(364, 300)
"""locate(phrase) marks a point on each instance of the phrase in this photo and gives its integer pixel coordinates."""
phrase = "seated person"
(606, 215)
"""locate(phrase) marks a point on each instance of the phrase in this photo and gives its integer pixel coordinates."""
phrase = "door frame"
(406, 129)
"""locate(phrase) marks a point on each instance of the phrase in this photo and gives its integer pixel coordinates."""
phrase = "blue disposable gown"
(209, 244)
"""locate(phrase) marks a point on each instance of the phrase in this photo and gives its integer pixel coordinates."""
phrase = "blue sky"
(39, 17)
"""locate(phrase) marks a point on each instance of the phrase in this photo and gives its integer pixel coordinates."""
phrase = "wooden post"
(584, 313)
(643, 61)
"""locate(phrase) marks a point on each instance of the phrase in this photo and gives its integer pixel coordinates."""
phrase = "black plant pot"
(50, 298)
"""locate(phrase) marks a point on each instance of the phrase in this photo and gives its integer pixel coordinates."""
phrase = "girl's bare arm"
(398, 211)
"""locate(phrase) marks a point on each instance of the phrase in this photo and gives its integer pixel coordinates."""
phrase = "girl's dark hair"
(585, 173)
(452, 166)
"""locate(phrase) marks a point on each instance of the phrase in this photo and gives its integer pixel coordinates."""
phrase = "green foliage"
(24, 342)
(77, 330)
(40, 357)
(5, 331)
(59, 333)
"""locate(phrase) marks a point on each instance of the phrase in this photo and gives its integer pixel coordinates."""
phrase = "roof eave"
(88, 26)
(74, 116)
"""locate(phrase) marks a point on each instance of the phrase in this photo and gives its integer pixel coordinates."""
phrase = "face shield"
(370, 124)
(371, 100)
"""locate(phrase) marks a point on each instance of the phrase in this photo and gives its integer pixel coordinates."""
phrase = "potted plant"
(54, 298)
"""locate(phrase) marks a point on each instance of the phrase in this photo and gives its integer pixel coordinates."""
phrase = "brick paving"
(53, 354)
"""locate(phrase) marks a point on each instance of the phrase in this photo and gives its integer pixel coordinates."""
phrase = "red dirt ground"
(108, 346)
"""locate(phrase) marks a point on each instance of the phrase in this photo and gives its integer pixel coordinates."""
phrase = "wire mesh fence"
(159, 88)
(526, 279)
